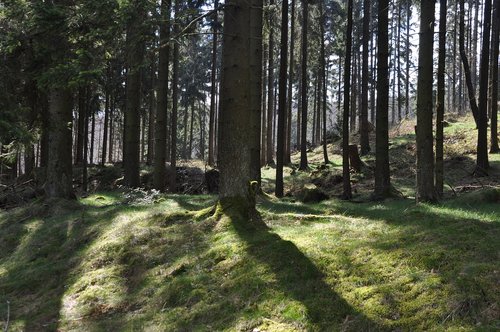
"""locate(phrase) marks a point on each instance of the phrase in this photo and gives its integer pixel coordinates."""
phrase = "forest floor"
(139, 260)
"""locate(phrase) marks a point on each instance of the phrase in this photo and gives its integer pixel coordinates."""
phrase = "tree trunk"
(347, 192)
(303, 135)
(280, 150)
(382, 171)
(288, 145)
(270, 89)
(59, 180)
(440, 99)
(106, 120)
(482, 163)
(135, 55)
(323, 80)
(211, 125)
(494, 148)
(237, 120)
(363, 123)
(160, 137)
(425, 152)
(465, 62)
(80, 126)
(172, 185)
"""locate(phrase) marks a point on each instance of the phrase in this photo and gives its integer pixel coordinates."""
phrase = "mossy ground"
(119, 262)
(100, 264)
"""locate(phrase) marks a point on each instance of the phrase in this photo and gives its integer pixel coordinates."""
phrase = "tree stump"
(354, 160)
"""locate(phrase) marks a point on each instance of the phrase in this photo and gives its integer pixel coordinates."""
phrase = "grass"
(102, 264)
(118, 261)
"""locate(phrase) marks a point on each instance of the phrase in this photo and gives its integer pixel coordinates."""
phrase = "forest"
(249, 165)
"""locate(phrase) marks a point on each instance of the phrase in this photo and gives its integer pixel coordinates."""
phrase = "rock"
(311, 194)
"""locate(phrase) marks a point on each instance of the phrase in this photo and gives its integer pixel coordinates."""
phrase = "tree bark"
(382, 171)
(172, 185)
(238, 122)
(135, 55)
(363, 123)
(346, 176)
(439, 170)
(270, 89)
(425, 152)
(211, 125)
(482, 163)
(494, 148)
(280, 150)
(303, 134)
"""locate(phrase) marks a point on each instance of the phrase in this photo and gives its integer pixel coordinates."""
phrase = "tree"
(382, 171)
(494, 148)
(363, 123)
(440, 99)
(303, 130)
(135, 55)
(270, 88)
(482, 163)
(59, 175)
(425, 152)
(211, 126)
(172, 185)
(237, 120)
(162, 98)
(280, 151)
(347, 193)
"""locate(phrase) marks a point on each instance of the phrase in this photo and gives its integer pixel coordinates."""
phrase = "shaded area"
(298, 277)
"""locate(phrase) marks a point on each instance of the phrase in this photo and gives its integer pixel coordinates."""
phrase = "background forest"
(249, 165)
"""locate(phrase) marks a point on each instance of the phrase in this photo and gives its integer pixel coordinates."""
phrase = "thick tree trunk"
(425, 152)
(440, 99)
(237, 120)
(59, 180)
(135, 55)
(280, 150)
(382, 171)
(160, 145)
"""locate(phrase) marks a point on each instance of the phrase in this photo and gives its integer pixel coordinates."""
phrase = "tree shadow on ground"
(299, 278)
(49, 245)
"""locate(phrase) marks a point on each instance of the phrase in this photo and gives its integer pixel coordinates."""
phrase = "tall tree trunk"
(106, 119)
(323, 79)
(111, 130)
(288, 145)
(440, 99)
(425, 152)
(382, 171)
(238, 121)
(80, 126)
(347, 192)
(59, 179)
(151, 113)
(211, 125)
(160, 146)
(363, 123)
(494, 148)
(263, 140)
(303, 135)
(407, 60)
(191, 127)
(280, 150)
(482, 163)
(270, 88)
(135, 55)
(92, 131)
(172, 185)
